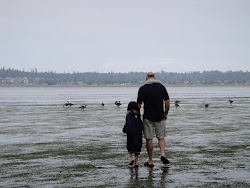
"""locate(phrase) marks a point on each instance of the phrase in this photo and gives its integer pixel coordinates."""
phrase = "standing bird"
(118, 103)
(231, 101)
(68, 104)
(102, 104)
(176, 102)
(83, 106)
(206, 105)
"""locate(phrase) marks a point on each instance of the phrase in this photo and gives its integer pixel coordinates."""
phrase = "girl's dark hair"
(133, 106)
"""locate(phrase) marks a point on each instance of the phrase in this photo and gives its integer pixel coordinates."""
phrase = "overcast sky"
(125, 35)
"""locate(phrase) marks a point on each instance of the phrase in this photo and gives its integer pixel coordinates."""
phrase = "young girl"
(133, 129)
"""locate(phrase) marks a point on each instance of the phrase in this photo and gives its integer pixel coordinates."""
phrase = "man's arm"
(139, 98)
(139, 105)
(167, 107)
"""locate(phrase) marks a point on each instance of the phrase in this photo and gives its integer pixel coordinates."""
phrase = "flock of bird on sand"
(118, 103)
(69, 104)
(176, 103)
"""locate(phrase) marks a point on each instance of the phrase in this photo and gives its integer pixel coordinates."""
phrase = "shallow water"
(44, 144)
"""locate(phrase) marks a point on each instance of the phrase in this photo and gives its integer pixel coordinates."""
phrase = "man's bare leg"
(149, 145)
(161, 143)
(136, 159)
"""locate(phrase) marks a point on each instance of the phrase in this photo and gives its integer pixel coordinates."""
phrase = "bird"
(118, 103)
(83, 106)
(68, 104)
(206, 105)
(231, 101)
(176, 104)
(102, 104)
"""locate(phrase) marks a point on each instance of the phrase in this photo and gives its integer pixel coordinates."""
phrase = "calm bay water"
(44, 144)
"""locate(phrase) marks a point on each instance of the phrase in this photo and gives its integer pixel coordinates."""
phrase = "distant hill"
(12, 76)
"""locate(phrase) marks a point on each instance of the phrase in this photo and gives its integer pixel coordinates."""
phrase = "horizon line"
(74, 72)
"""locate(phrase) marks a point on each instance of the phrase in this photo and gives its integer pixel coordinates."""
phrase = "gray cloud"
(125, 36)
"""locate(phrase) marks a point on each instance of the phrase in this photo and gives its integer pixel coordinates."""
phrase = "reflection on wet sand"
(164, 174)
(153, 177)
(133, 173)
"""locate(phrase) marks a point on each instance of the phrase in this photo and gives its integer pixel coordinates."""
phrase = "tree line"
(111, 78)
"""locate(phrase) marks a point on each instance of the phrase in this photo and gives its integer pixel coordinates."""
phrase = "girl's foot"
(131, 162)
(136, 164)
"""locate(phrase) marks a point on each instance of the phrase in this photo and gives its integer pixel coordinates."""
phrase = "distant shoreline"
(17, 78)
(139, 85)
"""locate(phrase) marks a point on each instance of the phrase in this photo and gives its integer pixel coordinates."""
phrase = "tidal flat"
(44, 144)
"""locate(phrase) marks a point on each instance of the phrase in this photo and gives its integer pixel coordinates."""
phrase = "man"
(154, 94)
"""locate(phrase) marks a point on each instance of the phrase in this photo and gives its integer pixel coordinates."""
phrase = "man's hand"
(166, 116)
(167, 107)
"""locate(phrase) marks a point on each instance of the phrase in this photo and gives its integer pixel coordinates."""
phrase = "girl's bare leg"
(131, 159)
(131, 156)
(136, 159)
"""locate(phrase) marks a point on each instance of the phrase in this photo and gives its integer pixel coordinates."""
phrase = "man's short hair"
(150, 75)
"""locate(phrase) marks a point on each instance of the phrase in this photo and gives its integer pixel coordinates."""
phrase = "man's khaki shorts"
(149, 127)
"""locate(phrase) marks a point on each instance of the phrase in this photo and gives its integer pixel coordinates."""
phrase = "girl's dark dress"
(133, 129)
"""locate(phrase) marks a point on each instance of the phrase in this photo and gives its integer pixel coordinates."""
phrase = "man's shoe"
(164, 160)
(147, 164)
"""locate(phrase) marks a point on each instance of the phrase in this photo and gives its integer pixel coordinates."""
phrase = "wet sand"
(46, 145)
